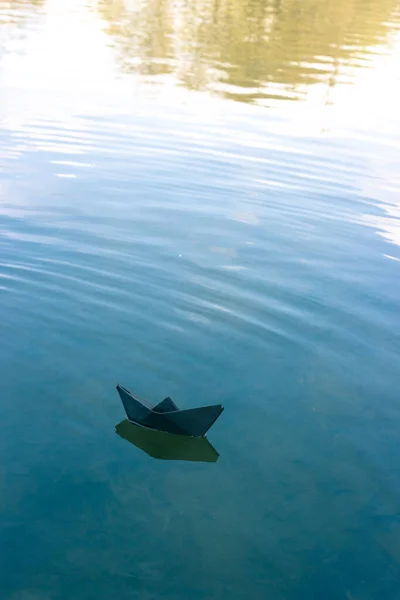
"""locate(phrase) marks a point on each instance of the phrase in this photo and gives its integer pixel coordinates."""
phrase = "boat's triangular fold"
(166, 405)
(135, 410)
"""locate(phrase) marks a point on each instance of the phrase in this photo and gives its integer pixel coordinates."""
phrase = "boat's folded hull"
(166, 417)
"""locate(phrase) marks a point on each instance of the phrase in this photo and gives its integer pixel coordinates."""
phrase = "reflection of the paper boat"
(167, 446)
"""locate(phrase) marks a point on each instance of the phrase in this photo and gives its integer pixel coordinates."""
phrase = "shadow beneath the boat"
(167, 446)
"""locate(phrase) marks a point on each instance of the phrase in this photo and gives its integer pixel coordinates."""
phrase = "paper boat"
(167, 417)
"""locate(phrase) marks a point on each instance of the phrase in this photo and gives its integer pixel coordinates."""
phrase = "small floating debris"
(167, 417)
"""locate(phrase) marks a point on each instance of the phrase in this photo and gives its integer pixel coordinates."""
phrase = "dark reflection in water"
(166, 445)
(248, 50)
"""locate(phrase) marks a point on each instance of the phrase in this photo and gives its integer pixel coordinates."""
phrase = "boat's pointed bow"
(196, 421)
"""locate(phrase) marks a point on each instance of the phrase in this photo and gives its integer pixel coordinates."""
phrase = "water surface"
(201, 200)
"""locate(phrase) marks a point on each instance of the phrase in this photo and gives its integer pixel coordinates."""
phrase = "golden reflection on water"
(250, 50)
(12, 12)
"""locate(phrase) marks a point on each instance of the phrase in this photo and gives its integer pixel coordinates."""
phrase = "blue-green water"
(203, 202)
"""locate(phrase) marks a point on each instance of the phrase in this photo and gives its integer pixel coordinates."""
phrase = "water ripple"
(159, 226)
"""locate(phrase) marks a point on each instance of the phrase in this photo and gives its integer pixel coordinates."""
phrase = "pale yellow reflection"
(258, 51)
(248, 50)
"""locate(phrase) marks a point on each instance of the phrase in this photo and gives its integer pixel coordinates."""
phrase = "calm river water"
(200, 199)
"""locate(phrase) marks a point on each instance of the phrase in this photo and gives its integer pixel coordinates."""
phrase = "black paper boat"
(167, 446)
(167, 417)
